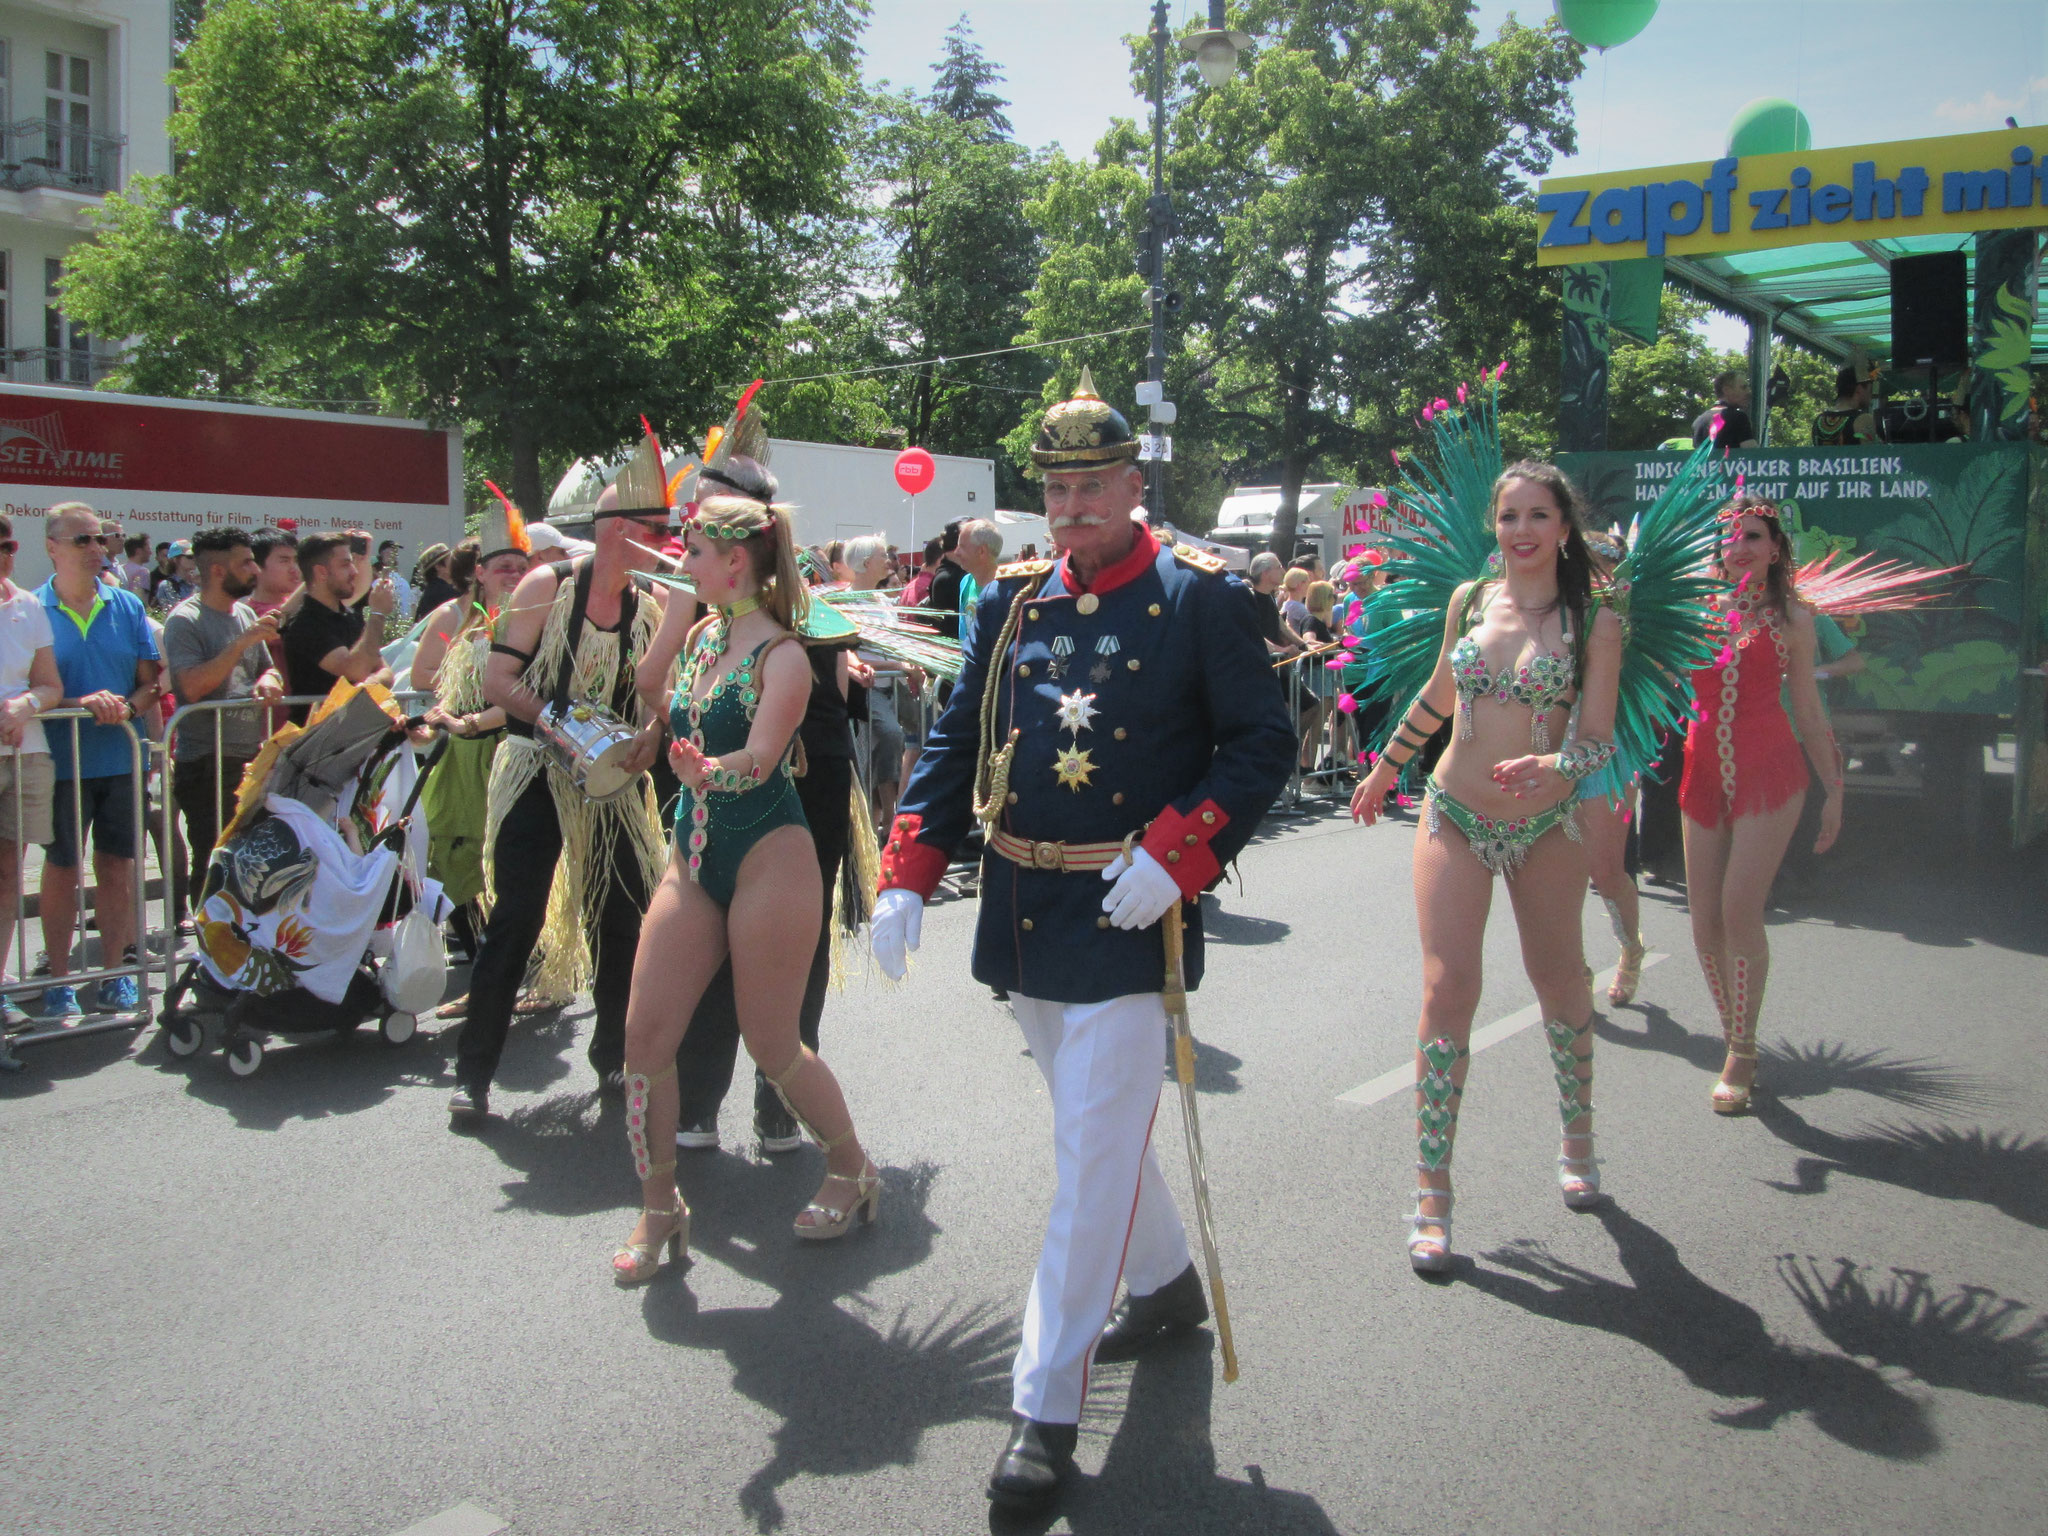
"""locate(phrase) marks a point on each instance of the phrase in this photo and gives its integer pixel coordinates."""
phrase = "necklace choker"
(740, 609)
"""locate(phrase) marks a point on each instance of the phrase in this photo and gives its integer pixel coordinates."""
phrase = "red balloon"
(915, 470)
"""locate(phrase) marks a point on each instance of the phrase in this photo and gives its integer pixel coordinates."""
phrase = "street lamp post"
(1214, 52)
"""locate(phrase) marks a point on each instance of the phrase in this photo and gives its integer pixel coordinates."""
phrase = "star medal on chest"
(1077, 710)
(1073, 767)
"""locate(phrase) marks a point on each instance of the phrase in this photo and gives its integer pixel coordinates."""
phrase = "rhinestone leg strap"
(1435, 1117)
(1566, 1061)
(639, 1090)
(1745, 1002)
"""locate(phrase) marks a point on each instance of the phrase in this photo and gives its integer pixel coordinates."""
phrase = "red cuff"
(907, 864)
(1181, 845)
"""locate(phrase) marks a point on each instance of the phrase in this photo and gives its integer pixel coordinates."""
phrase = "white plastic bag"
(415, 975)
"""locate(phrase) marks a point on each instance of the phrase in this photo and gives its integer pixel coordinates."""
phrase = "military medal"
(1107, 645)
(1076, 710)
(1099, 673)
(1062, 648)
(1073, 768)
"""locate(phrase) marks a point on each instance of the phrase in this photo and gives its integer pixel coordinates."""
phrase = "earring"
(1493, 565)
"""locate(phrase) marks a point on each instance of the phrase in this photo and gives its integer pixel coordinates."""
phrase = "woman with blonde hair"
(742, 877)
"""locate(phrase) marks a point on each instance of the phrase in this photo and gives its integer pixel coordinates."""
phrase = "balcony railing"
(57, 365)
(40, 152)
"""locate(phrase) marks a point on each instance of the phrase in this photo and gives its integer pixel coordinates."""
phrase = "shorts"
(910, 716)
(35, 776)
(109, 807)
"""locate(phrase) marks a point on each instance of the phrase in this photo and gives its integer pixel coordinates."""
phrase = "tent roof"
(1835, 298)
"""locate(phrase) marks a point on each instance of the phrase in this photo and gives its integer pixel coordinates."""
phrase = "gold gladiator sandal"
(1628, 970)
(1745, 1002)
(867, 1184)
(1577, 1177)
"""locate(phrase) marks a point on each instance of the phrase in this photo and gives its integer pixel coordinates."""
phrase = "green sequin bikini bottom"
(1500, 845)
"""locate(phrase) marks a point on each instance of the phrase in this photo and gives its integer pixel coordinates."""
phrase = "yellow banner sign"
(1953, 185)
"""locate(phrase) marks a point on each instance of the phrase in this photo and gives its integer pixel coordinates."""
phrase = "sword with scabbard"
(1176, 999)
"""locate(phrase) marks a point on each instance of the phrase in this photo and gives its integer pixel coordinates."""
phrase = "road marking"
(1387, 1084)
(465, 1519)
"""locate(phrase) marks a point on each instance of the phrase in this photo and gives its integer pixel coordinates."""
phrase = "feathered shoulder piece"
(1440, 541)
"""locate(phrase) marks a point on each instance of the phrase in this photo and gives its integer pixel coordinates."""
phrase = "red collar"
(1144, 550)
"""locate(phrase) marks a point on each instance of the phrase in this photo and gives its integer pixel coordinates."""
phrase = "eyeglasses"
(79, 540)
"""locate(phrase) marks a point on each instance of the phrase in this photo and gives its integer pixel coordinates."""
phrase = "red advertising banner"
(113, 443)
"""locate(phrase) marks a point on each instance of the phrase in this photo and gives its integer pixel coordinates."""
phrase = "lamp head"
(1215, 52)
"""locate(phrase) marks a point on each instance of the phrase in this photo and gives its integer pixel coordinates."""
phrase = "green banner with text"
(1933, 505)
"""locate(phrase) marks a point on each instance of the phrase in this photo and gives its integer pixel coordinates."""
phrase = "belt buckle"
(1047, 856)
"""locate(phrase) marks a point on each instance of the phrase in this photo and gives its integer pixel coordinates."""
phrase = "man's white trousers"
(1112, 1214)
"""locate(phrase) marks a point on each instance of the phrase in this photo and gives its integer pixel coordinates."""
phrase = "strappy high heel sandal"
(1727, 1098)
(867, 1201)
(637, 1263)
(1745, 998)
(1577, 1177)
(1628, 974)
(1430, 1255)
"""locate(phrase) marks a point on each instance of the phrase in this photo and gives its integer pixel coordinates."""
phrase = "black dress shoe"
(1138, 1321)
(1028, 1472)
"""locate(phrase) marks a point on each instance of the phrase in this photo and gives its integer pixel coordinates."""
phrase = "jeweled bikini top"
(1541, 684)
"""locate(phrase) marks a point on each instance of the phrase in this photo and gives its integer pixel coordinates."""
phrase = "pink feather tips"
(1725, 657)
(1500, 370)
(1334, 666)
(1395, 455)
(1379, 498)
(1461, 394)
(1351, 642)
(1741, 479)
(1406, 802)
(1441, 404)
(1347, 703)
(1368, 757)
(1428, 415)
(1742, 586)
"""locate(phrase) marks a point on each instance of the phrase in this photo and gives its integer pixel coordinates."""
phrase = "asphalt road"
(297, 1303)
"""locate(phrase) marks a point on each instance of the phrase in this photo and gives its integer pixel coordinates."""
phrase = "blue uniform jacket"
(1154, 714)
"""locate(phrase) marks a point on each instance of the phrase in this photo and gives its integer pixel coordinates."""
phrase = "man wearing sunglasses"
(573, 629)
(108, 664)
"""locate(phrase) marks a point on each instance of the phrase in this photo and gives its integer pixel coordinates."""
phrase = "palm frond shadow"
(1786, 1070)
(1972, 1339)
(2002, 1169)
(1718, 1342)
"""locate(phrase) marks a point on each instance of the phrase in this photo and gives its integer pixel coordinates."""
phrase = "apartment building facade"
(85, 102)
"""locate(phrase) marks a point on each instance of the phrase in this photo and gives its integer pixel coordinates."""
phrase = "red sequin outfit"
(1741, 758)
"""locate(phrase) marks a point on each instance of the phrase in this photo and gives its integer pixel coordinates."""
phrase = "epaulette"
(1018, 568)
(1200, 559)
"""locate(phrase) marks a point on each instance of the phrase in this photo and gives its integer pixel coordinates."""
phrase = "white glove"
(897, 925)
(1142, 893)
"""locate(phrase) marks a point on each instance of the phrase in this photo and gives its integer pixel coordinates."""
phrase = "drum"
(589, 744)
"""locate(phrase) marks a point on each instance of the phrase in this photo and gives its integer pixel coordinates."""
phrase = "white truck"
(1336, 520)
(167, 468)
(842, 492)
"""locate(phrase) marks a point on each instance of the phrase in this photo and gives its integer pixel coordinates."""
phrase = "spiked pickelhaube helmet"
(1082, 431)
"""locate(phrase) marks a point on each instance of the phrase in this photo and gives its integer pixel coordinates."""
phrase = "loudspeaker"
(1930, 310)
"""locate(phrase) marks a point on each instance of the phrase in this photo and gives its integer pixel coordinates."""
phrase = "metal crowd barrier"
(88, 980)
(1331, 745)
(203, 715)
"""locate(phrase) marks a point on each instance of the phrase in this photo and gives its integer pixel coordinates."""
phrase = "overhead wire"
(960, 357)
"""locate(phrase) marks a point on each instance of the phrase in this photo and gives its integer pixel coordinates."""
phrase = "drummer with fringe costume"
(568, 873)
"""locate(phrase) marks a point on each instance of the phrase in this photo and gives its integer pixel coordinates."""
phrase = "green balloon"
(1769, 126)
(1604, 23)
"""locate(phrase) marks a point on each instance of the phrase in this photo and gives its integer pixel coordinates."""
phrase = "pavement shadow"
(1159, 1474)
(2006, 1171)
(1720, 1344)
(1971, 1340)
(571, 1148)
(1790, 1071)
(853, 1392)
(307, 1076)
(50, 1062)
(1237, 928)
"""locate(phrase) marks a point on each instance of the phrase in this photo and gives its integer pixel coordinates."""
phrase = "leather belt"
(1058, 858)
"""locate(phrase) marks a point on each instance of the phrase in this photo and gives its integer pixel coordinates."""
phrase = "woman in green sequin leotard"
(742, 877)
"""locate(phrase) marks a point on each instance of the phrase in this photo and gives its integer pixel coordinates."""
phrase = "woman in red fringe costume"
(1745, 776)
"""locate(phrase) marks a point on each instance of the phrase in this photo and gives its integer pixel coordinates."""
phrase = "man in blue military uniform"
(1115, 721)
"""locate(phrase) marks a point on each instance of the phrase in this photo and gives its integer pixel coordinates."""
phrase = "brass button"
(1132, 663)
(1026, 925)
(1088, 602)
(1153, 610)
(1032, 614)
(1102, 922)
(1173, 855)
(1013, 797)
(1119, 733)
(1117, 798)
(1024, 670)
(1209, 817)
(1192, 839)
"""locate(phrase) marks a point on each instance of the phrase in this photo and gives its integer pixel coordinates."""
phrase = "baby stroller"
(314, 888)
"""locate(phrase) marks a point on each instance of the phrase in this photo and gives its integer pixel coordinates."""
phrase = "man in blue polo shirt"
(107, 661)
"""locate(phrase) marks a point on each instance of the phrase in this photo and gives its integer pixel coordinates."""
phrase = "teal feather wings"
(1660, 591)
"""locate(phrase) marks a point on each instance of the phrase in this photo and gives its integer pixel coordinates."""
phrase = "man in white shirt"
(28, 684)
(387, 567)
